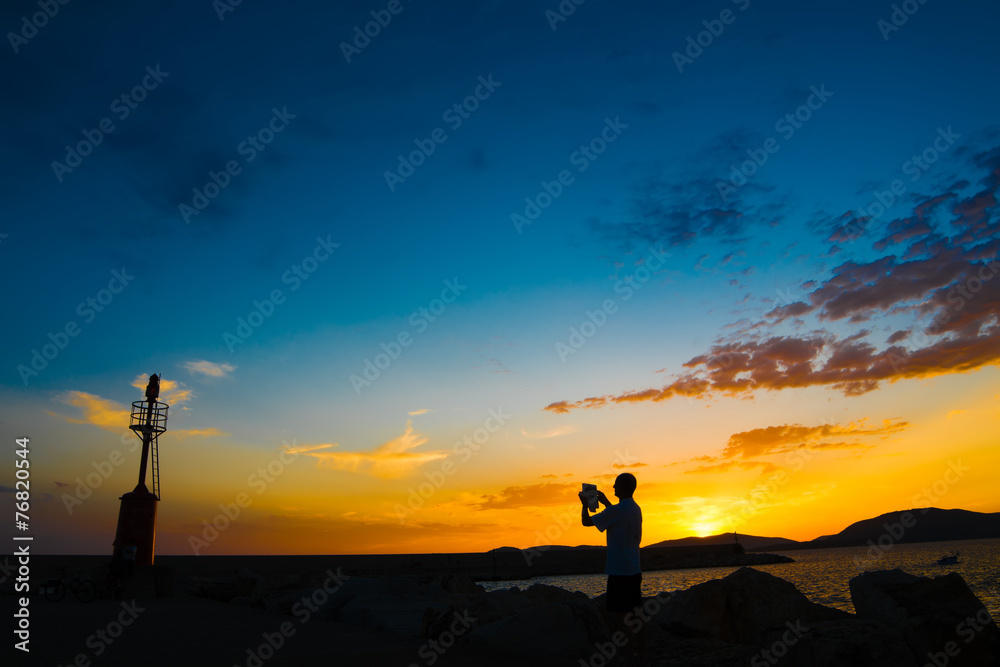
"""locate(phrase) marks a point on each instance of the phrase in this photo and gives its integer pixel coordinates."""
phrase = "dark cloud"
(949, 283)
(675, 211)
(897, 336)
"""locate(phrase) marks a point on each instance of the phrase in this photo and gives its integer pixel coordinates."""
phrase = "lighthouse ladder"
(154, 453)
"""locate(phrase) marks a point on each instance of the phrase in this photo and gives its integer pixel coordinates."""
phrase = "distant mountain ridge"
(925, 524)
(748, 541)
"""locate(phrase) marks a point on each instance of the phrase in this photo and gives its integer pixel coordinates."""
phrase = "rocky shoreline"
(749, 617)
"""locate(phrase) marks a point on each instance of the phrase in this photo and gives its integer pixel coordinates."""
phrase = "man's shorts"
(624, 592)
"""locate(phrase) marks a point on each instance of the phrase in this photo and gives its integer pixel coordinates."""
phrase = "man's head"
(625, 485)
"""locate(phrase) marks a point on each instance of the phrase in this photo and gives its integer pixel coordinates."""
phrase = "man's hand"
(603, 498)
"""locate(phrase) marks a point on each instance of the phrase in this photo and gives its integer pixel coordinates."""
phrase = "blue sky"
(777, 240)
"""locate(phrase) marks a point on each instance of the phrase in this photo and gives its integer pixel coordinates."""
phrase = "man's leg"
(637, 620)
(628, 621)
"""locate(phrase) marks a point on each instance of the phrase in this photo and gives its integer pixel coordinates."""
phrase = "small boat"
(948, 560)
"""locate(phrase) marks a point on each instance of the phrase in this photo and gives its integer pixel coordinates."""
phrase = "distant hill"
(926, 524)
(749, 542)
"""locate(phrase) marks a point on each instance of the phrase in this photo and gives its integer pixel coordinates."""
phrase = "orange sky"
(704, 467)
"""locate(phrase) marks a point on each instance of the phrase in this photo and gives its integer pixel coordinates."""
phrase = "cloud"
(101, 412)
(532, 495)
(945, 282)
(113, 416)
(726, 466)
(744, 449)
(392, 459)
(789, 437)
(305, 449)
(550, 433)
(210, 432)
(207, 368)
(860, 291)
(626, 466)
(563, 406)
(422, 411)
(698, 202)
(897, 336)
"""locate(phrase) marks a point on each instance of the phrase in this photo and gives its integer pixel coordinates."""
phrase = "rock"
(284, 601)
(677, 652)
(274, 583)
(246, 582)
(940, 619)
(457, 583)
(549, 631)
(399, 614)
(222, 589)
(545, 594)
(834, 643)
(741, 608)
(253, 602)
(496, 605)
(365, 586)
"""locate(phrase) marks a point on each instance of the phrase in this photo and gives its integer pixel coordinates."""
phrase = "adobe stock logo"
(898, 18)
(585, 155)
(455, 116)
(86, 309)
(696, 44)
(122, 107)
(381, 18)
(787, 125)
(420, 320)
(597, 318)
(294, 276)
(38, 20)
(249, 148)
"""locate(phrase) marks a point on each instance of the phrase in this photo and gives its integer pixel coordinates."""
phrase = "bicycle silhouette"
(83, 589)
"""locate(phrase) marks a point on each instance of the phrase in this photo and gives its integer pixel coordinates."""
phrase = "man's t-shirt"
(624, 525)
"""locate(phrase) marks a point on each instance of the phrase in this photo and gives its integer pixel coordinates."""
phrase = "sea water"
(823, 575)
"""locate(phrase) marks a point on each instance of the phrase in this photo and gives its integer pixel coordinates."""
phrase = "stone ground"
(196, 632)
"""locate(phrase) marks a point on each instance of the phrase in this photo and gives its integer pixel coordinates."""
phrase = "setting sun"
(705, 529)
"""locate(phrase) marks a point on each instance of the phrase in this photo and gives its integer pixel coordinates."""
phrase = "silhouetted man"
(623, 523)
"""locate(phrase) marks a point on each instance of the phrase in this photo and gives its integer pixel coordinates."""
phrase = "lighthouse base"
(137, 523)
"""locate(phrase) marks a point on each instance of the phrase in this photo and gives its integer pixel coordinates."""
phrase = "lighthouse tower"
(137, 515)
